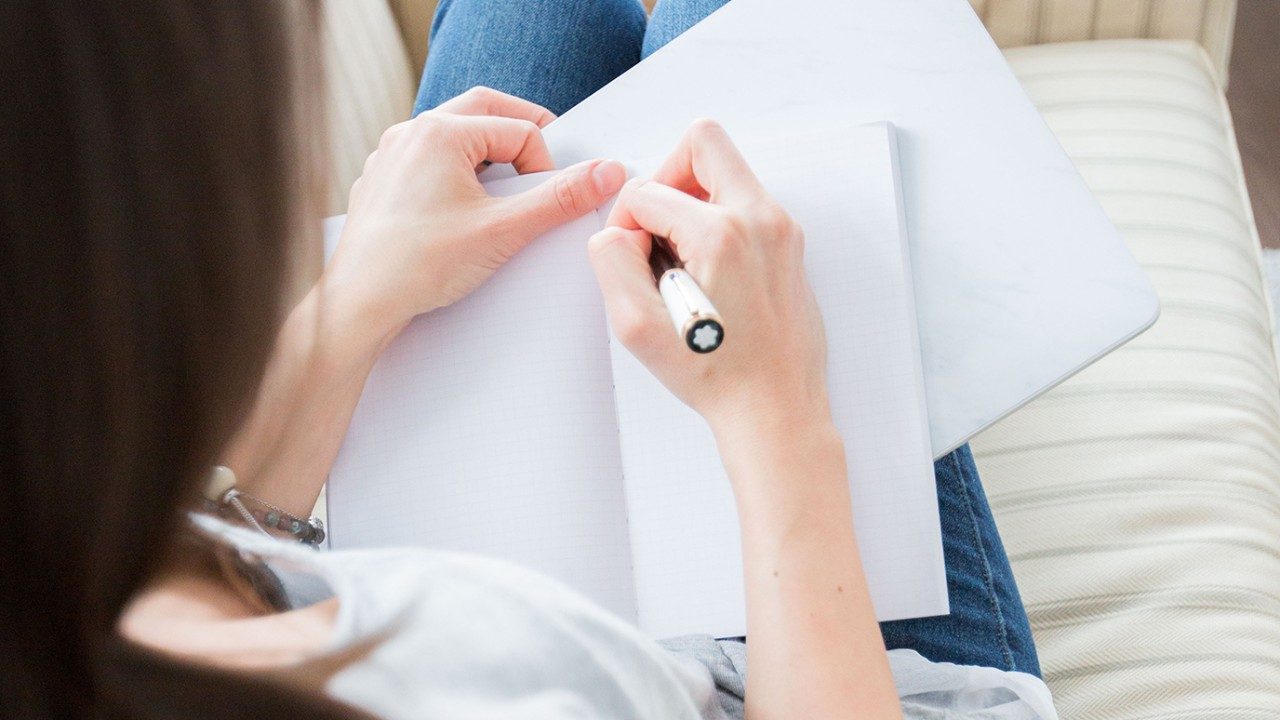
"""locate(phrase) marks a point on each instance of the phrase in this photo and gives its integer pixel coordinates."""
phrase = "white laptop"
(1020, 279)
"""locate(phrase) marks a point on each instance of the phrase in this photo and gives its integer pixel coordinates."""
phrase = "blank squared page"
(839, 183)
(489, 427)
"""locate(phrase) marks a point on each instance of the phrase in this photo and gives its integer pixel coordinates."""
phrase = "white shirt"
(453, 636)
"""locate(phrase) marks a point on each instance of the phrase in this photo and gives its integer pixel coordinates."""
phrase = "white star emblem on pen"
(706, 337)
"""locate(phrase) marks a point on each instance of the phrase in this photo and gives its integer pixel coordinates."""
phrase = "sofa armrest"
(1030, 22)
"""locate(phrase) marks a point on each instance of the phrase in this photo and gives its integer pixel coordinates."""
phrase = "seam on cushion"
(1161, 487)
(1229, 287)
(1074, 610)
(1234, 214)
(1161, 543)
(1248, 359)
(988, 577)
(1251, 359)
(1200, 309)
(1220, 394)
(1229, 277)
(1239, 712)
(1011, 499)
(1253, 594)
(1137, 162)
(1063, 443)
(1146, 611)
(1246, 503)
(1079, 115)
(1257, 423)
(1207, 85)
(1111, 104)
(1146, 662)
(1158, 232)
(1109, 132)
(1203, 309)
(1125, 46)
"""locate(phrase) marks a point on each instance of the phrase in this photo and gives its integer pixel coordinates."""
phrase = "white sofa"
(1140, 500)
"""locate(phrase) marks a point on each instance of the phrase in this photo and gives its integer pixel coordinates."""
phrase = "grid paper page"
(840, 185)
(489, 427)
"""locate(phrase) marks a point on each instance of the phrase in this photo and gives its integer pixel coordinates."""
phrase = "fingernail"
(609, 176)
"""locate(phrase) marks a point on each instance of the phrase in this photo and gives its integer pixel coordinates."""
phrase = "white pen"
(695, 318)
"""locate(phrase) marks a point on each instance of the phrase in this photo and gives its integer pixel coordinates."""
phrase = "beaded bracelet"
(223, 499)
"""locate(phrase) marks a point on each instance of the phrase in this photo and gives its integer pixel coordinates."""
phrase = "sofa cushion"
(1140, 500)
(1014, 23)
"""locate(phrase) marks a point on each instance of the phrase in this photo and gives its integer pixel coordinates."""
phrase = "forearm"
(814, 647)
(313, 380)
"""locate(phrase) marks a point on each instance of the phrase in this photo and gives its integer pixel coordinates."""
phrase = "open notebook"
(512, 425)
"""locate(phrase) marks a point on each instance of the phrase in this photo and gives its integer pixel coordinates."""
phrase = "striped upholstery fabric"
(1140, 500)
(370, 86)
(1029, 22)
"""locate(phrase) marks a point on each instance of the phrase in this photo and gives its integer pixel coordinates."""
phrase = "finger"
(708, 165)
(620, 258)
(482, 100)
(661, 210)
(569, 194)
(502, 140)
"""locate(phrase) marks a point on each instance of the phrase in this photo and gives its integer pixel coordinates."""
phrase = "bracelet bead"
(223, 499)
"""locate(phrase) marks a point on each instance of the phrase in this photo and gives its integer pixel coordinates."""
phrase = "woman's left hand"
(421, 231)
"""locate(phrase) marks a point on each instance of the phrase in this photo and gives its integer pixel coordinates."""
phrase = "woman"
(153, 198)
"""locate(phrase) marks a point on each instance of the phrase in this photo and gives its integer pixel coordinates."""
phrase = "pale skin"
(422, 233)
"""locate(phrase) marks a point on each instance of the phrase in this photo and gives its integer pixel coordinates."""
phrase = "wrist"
(769, 422)
(322, 357)
(347, 332)
(766, 456)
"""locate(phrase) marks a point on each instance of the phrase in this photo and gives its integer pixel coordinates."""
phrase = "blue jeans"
(556, 53)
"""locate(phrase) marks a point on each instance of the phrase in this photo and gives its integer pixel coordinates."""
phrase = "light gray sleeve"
(726, 660)
(928, 690)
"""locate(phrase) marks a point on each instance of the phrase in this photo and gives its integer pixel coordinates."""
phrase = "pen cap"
(693, 315)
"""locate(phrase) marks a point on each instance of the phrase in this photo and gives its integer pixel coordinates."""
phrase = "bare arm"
(421, 233)
(815, 649)
(323, 355)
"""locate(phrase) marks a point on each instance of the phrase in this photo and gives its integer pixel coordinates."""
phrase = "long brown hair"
(151, 165)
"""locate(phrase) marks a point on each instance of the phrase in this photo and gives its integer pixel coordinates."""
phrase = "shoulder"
(486, 632)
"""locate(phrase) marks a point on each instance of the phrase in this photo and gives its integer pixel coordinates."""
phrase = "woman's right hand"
(747, 255)
(763, 391)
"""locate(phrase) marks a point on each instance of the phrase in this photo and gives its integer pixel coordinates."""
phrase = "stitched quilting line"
(988, 577)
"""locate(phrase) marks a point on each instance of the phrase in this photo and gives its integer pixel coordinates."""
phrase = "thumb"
(620, 258)
(574, 192)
